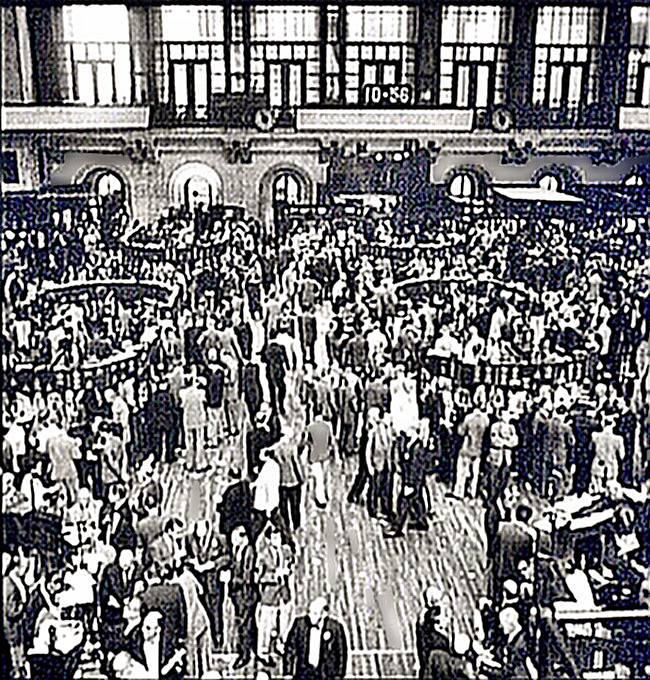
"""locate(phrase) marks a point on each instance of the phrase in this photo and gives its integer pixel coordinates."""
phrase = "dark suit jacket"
(243, 586)
(428, 639)
(113, 583)
(442, 665)
(135, 647)
(168, 599)
(236, 508)
(252, 387)
(333, 651)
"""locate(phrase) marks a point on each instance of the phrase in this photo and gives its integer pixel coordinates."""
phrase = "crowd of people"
(267, 369)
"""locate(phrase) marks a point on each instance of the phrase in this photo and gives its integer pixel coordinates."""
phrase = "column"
(12, 75)
(44, 27)
(142, 90)
(427, 69)
(613, 72)
(520, 64)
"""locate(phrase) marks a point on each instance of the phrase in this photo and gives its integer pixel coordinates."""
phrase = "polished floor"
(375, 585)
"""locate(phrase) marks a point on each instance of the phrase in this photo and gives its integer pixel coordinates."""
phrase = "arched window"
(108, 183)
(287, 190)
(463, 186)
(549, 183)
(197, 191)
(195, 183)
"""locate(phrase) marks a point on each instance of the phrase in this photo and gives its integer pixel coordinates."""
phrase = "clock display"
(388, 94)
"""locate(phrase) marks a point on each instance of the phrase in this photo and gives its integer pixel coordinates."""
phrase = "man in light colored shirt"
(193, 399)
(321, 449)
(266, 487)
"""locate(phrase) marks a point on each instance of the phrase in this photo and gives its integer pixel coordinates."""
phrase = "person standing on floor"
(244, 593)
(316, 647)
(273, 572)
(198, 641)
(608, 456)
(320, 448)
(428, 630)
(193, 399)
(472, 431)
(208, 558)
(416, 464)
(291, 478)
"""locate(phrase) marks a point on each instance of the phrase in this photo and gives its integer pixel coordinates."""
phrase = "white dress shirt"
(315, 635)
(267, 487)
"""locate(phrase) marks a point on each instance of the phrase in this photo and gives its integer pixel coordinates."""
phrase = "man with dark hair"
(428, 636)
(416, 464)
(236, 506)
(514, 544)
(244, 594)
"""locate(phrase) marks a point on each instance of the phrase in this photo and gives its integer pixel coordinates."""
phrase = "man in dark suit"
(244, 594)
(416, 464)
(166, 598)
(147, 647)
(266, 432)
(276, 360)
(316, 647)
(208, 557)
(116, 588)
(163, 418)
(236, 507)
(428, 637)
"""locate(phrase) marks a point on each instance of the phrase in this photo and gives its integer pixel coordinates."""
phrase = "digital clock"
(388, 94)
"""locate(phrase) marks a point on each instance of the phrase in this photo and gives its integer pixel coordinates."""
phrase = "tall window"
(191, 62)
(380, 53)
(567, 56)
(97, 54)
(198, 191)
(637, 91)
(286, 190)
(285, 62)
(108, 183)
(473, 55)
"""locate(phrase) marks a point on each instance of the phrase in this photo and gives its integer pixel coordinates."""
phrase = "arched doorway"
(287, 189)
(109, 183)
(106, 182)
(198, 191)
(281, 187)
(195, 183)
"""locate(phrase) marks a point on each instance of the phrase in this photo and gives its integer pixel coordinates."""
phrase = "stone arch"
(467, 183)
(558, 176)
(195, 182)
(285, 182)
(105, 180)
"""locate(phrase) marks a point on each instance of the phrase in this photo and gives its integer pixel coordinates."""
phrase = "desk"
(618, 636)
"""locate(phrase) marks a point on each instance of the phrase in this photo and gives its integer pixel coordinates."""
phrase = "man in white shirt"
(266, 487)
(193, 398)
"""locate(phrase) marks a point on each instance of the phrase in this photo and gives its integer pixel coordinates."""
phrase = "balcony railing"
(269, 85)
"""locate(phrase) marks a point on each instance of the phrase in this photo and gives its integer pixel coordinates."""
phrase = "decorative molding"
(611, 151)
(72, 117)
(328, 152)
(140, 150)
(517, 155)
(238, 151)
(384, 120)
